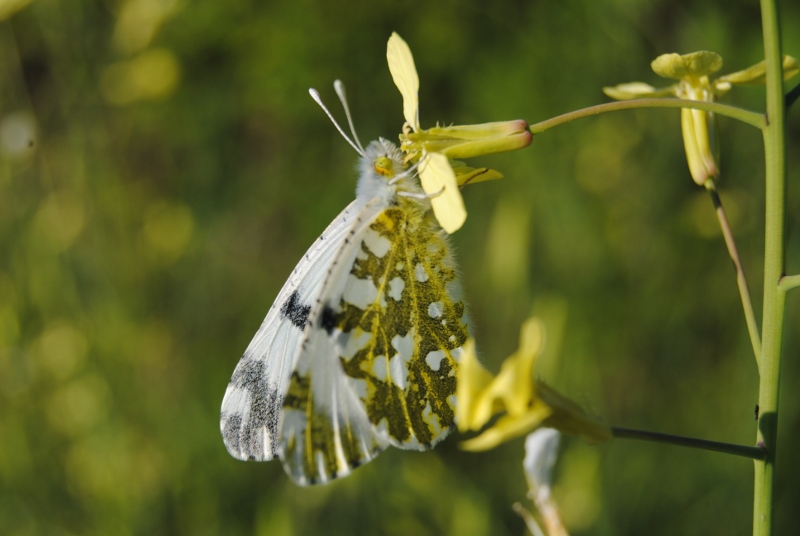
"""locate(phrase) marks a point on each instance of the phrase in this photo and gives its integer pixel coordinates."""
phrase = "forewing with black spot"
(251, 410)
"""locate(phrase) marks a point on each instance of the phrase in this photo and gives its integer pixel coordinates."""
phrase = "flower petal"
(437, 177)
(508, 427)
(404, 74)
(472, 380)
(512, 389)
(517, 371)
(756, 74)
(703, 62)
(637, 90)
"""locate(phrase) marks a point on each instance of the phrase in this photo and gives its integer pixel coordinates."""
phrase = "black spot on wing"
(243, 433)
(295, 311)
(231, 431)
(327, 319)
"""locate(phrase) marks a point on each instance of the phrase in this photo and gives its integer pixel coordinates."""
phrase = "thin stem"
(751, 118)
(741, 280)
(788, 282)
(756, 453)
(774, 300)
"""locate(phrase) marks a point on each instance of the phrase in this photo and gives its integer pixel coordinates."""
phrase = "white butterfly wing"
(378, 365)
(325, 430)
(251, 409)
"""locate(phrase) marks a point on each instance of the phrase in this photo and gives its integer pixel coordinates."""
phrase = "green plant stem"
(751, 118)
(756, 453)
(774, 299)
(741, 280)
(788, 282)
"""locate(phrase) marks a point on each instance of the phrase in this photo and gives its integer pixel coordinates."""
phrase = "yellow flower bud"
(467, 141)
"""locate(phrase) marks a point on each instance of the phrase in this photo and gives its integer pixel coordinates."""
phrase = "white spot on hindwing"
(434, 359)
(420, 273)
(379, 245)
(404, 345)
(352, 342)
(360, 292)
(379, 367)
(435, 309)
(360, 388)
(398, 367)
(396, 287)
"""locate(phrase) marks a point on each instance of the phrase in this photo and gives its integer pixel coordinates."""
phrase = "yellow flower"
(692, 72)
(435, 148)
(524, 404)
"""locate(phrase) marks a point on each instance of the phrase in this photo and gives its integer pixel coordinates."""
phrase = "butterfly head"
(382, 169)
(384, 159)
(383, 173)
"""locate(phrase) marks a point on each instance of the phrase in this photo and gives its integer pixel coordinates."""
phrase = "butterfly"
(360, 349)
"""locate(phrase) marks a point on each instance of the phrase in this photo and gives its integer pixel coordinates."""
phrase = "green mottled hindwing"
(379, 363)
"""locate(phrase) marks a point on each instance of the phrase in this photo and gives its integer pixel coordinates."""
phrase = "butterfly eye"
(384, 166)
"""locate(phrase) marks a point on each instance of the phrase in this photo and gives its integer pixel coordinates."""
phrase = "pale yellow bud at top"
(698, 127)
(701, 63)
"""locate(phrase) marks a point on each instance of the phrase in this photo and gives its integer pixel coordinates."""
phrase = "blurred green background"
(179, 169)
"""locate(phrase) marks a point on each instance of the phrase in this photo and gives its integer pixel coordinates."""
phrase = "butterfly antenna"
(339, 87)
(315, 95)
